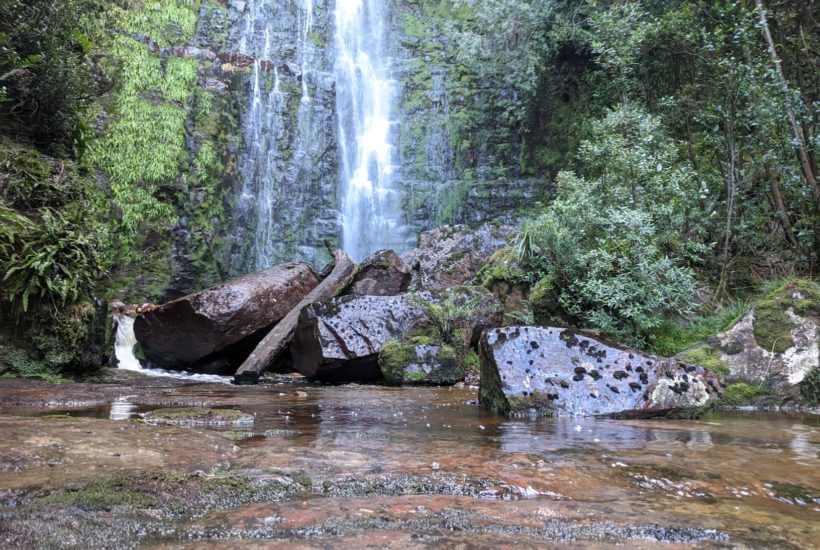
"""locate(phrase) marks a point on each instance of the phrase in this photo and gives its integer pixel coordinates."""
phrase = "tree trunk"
(277, 339)
(802, 152)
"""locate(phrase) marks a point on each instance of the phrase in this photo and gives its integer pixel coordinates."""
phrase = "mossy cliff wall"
(460, 159)
(165, 142)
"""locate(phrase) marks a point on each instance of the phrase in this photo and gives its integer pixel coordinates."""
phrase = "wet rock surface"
(199, 416)
(341, 339)
(189, 331)
(347, 466)
(560, 372)
(452, 255)
(381, 274)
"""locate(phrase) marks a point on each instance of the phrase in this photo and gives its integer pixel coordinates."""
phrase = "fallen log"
(189, 330)
(277, 339)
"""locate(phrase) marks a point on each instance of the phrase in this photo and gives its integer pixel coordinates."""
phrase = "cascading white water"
(370, 204)
(124, 342)
(261, 133)
(285, 211)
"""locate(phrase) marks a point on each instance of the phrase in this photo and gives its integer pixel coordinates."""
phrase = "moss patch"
(772, 326)
(742, 393)
(402, 361)
(102, 495)
(709, 358)
(198, 416)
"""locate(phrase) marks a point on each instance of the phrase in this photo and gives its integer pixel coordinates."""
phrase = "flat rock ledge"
(554, 371)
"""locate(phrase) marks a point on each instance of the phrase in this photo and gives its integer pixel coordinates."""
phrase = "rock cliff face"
(555, 371)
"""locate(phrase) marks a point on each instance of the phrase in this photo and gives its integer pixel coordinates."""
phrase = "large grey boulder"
(341, 339)
(189, 331)
(559, 372)
(383, 273)
(451, 255)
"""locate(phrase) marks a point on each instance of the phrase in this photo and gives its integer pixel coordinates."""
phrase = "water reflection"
(122, 408)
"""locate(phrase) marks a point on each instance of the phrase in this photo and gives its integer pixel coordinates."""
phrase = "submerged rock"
(451, 255)
(199, 416)
(341, 339)
(776, 344)
(188, 332)
(555, 371)
(381, 274)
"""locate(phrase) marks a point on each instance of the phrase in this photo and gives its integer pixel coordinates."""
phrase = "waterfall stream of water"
(370, 203)
(124, 343)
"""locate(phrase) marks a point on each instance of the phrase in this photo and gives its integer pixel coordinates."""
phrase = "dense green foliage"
(101, 135)
(683, 157)
(45, 72)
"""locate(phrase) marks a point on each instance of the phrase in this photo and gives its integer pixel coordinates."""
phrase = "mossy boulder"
(340, 340)
(416, 361)
(503, 276)
(383, 273)
(56, 346)
(775, 345)
(452, 255)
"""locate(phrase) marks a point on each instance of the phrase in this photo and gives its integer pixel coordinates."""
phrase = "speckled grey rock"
(451, 255)
(341, 339)
(560, 372)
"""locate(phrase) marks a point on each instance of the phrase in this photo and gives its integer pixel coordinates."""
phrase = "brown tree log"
(277, 339)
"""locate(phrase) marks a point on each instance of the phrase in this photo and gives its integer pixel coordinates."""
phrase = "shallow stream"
(728, 480)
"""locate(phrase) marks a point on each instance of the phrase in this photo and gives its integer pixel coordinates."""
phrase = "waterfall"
(262, 130)
(124, 343)
(284, 210)
(370, 203)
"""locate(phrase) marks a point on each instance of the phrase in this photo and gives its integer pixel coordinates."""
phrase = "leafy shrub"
(607, 249)
(450, 317)
(44, 59)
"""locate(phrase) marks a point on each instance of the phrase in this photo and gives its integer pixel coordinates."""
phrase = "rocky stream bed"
(303, 465)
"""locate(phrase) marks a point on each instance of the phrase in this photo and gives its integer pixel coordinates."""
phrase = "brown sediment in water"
(394, 467)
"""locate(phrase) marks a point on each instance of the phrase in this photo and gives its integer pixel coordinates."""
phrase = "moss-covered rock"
(810, 387)
(774, 314)
(707, 357)
(775, 345)
(418, 360)
(544, 301)
(503, 276)
(741, 393)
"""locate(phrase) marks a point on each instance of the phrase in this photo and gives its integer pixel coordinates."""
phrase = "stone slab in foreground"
(559, 372)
